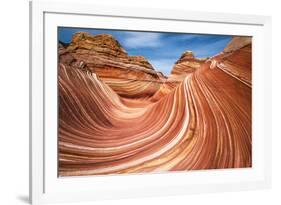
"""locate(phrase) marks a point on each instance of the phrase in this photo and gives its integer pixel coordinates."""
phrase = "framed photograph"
(129, 102)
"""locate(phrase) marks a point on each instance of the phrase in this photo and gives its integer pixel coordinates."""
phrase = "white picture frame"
(46, 187)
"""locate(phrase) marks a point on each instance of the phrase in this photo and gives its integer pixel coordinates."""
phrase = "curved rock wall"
(202, 123)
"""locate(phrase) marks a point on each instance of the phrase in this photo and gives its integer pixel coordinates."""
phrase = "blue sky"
(161, 49)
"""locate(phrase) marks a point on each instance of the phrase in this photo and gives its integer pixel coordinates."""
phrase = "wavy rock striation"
(129, 76)
(186, 65)
(203, 123)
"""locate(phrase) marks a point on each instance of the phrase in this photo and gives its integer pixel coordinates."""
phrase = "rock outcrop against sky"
(183, 67)
(129, 76)
(117, 114)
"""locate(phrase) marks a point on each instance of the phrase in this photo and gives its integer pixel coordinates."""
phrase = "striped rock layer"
(202, 123)
(186, 65)
(128, 76)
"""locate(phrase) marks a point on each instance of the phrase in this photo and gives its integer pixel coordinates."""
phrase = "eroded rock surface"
(129, 76)
(201, 120)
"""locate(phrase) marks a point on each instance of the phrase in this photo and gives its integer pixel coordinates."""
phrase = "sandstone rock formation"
(129, 76)
(186, 65)
(204, 122)
(236, 59)
(237, 42)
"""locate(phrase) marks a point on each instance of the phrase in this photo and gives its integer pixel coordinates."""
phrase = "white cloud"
(163, 65)
(142, 39)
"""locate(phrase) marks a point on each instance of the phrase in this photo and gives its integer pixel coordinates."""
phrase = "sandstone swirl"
(128, 76)
(108, 126)
(186, 65)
